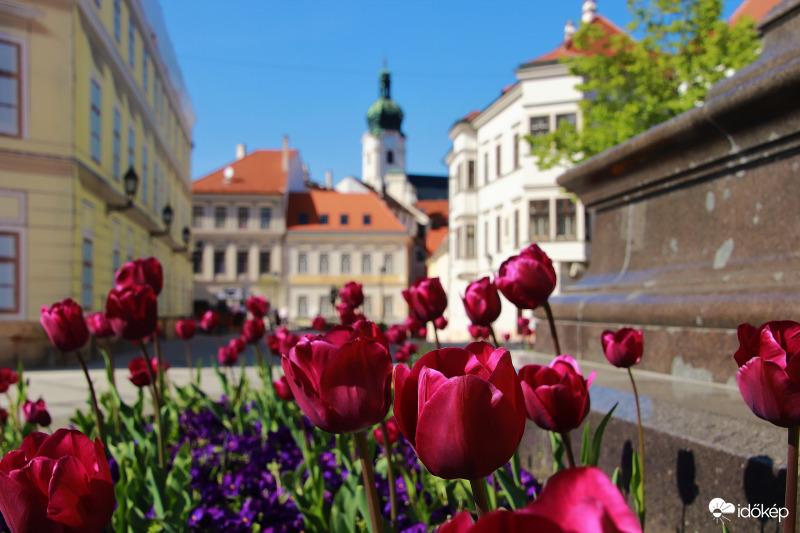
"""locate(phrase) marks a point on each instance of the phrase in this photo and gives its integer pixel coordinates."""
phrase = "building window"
(388, 264)
(323, 219)
(345, 263)
(131, 147)
(302, 306)
(470, 241)
(197, 216)
(197, 258)
(302, 219)
(498, 248)
(567, 118)
(131, 43)
(87, 275)
(388, 306)
(486, 168)
(117, 19)
(540, 126)
(302, 263)
(367, 309)
(486, 238)
(367, 220)
(10, 89)
(366, 263)
(539, 213)
(565, 218)
(117, 142)
(325, 305)
(220, 213)
(219, 262)
(516, 151)
(242, 216)
(145, 168)
(457, 179)
(95, 126)
(323, 263)
(241, 262)
(9, 273)
(264, 262)
(145, 72)
(459, 244)
(390, 157)
(266, 217)
(516, 229)
(343, 219)
(470, 175)
(156, 175)
(115, 261)
(498, 167)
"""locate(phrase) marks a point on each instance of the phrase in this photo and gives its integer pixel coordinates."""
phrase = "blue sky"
(257, 70)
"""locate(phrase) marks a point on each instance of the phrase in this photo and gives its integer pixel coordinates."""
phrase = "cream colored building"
(90, 90)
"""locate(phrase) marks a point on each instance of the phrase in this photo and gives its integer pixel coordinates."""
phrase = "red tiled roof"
(471, 115)
(259, 172)
(437, 211)
(753, 8)
(567, 48)
(335, 204)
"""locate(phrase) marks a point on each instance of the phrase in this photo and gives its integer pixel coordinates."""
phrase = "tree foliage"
(635, 84)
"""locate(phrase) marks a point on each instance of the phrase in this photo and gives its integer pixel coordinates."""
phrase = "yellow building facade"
(89, 90)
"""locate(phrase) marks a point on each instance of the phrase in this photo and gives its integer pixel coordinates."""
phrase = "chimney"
(328, 179)
(241, 151)
(285, 155)
(569, 30)
(589, 11)
(227, 175)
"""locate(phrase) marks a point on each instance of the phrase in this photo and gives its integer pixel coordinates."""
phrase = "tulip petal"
(24, 508)
(304, 391)
(770, 348)
(68, 492)
(405, 402)
(429, 382)
(768, 392)
(467, 429)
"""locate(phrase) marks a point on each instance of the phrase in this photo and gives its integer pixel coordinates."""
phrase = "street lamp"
(131, 182)
(166, 218)
(186, 234)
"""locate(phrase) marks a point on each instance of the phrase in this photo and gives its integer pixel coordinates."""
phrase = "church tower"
(383, 146)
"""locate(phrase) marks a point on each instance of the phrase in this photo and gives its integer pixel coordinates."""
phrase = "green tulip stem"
(156, 405)
(479, 495)
(436, 337)
(110, 354)
(267, 379)
(13, 410)
(387, 448)
(98, 416)
(641, 433)
(189, 360)
(160, 373)
(553, 332)
(568, 447)
(369, 482)
(494, 337)
(790, 523)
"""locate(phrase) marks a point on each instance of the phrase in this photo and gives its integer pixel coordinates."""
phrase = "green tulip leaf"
(515, 496)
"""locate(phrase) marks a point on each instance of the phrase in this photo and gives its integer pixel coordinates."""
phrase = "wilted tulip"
(258, 306)
(352, 294)
(64, 325)
(132, 312)
(461, 409)
(140, 272)
(283, 390)
(482, 302)
(57, 483)
(210, 321)
(426, 299)
(527, 279)
(253, 330)
(8, 377)
(624, 347)
(98, 325)
(186, 329)
(556, 396)
(769, 375)
(341, 380)
(319, 323)
(36, 412)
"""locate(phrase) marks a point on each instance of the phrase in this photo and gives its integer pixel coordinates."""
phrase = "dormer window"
(367, 220)
(302, 219)
(323, 219)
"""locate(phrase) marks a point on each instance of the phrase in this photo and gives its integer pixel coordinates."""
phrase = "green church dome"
(384, 114)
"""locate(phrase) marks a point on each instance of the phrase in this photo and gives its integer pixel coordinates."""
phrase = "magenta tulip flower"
(352, 294)
(426, 299)
(140, 272)
(132, 312)
(482, 302)
(98, 325)
(624, 347)
(527, 279)
(186, 329)
(65, 325)
(258, 306)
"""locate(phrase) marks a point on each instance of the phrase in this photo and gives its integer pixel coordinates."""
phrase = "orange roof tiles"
(753, 8)
(568, 49)
(259, 172)
(471, 115)
(315, 204)
(437, 211)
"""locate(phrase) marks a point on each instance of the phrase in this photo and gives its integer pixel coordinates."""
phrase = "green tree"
(635, 84)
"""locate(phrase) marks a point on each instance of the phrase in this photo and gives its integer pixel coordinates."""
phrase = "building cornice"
(15, 9)
(505, 100)
(538, 71)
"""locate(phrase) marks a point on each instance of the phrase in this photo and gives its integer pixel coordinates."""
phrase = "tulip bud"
(36, 412)
(258, 306)
(98, 325)
(352, 294)
(426, 299)
(140, 272)
(210, 321)
(64, 325)
(482, 302)
(623, 348)
(186, 329)
(527, 279)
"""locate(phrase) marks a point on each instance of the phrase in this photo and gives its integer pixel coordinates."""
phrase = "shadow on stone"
(762, 486)
(686, 474)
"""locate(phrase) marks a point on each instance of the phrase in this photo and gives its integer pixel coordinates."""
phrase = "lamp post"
(131, 182)
(186, 235)
(166, 218)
